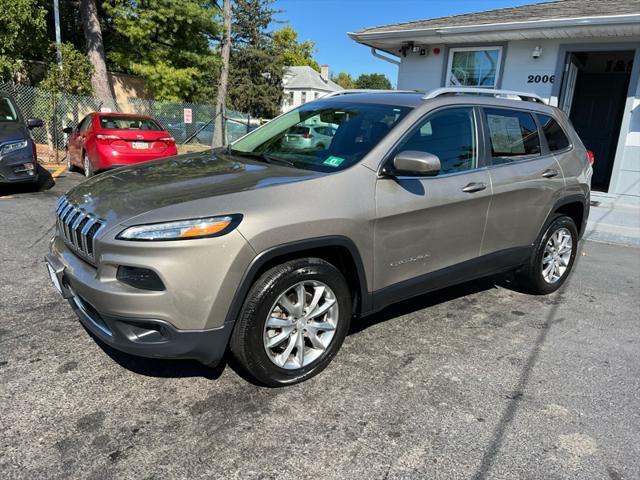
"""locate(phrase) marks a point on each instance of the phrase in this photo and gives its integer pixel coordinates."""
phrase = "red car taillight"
(307, 135)
(168, 140)
(106, 139)
(592, 157)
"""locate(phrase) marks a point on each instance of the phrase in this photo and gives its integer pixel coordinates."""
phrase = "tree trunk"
(219, 136)
(95, 51)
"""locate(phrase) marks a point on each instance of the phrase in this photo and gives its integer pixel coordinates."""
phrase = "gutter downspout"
(375, 53)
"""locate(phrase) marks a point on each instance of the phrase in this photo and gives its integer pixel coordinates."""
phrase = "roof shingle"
(526, 13)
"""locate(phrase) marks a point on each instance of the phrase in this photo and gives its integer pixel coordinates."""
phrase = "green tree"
(344, 80)
(293, 52)
(73, 77)
(374, 81)
(255, 85)
(170, 44)
(23, 33)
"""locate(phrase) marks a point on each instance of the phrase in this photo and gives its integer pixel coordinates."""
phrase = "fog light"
(141, 278)
(29, 168)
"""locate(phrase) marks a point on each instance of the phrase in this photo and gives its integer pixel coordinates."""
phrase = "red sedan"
(108, 140)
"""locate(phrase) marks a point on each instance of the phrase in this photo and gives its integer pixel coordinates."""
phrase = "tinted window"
(513, 134)
(556, 138)
(8, 112)
(357, 128)
(128, 123)
(449, 134)
(299, 130)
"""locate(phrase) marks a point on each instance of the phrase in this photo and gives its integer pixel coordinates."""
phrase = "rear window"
(128, 123)
(299, 130)
(556, 138)
(513, 134)
(7, 110)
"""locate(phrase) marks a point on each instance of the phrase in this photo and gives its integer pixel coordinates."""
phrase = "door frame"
(564, 50)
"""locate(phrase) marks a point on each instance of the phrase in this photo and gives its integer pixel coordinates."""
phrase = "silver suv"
(271, 250)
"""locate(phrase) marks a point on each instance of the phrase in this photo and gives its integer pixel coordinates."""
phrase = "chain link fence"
(60, 110)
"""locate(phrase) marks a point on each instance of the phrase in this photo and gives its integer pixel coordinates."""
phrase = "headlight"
(183, 229)
(12, 147)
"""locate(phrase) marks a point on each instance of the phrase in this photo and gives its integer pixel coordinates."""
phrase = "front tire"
(553, 257)
(293, 322)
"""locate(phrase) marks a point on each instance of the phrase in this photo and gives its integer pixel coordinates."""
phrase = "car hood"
(12, 131)
(130, 191)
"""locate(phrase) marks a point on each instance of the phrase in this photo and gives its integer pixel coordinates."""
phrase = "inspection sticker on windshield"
(333, 161)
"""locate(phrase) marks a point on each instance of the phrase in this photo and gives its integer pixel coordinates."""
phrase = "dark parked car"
(18, 161)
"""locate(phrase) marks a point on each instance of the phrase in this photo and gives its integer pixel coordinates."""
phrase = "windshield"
(322, 136)
(7, 110)
(128, 123)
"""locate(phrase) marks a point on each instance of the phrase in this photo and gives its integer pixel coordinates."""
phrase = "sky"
(326, 22)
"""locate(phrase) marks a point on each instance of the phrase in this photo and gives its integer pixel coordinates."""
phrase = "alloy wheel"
(87, 166)
(301, 325)
(557, 255)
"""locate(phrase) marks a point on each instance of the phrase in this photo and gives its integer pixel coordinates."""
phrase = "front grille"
(78, 228)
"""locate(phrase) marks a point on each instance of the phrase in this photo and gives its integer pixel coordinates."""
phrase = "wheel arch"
(576, 207)
(340, 251)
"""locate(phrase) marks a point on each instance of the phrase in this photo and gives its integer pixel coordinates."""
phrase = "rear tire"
(552, 258)
(87, 165)
(278, 317)
(70, 166)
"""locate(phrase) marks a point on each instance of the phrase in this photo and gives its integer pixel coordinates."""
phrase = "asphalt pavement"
(477, 381)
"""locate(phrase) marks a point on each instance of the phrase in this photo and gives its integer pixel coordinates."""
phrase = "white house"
(581, 55)
(304, 84)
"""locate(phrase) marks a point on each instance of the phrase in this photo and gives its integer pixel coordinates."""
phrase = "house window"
(304, 97)
(290, 98)
(474, 67)
(316, 95)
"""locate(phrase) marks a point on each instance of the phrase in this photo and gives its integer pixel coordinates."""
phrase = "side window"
(85, 123)
(451, 135)
(556, 138)
(513, 134)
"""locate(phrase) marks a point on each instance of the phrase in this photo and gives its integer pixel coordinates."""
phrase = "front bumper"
(144, 337)
(12, 169)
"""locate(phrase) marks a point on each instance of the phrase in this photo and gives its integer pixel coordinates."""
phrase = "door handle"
(550, 173)
(474, 187)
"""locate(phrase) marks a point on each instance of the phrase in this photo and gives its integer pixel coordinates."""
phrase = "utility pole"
(219, 137)
(56, 19)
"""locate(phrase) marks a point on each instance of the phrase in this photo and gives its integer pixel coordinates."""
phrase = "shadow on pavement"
(431, 299)
(159, 367)
(509, 413)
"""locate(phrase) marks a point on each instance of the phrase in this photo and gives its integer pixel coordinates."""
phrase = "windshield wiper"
(264, 157)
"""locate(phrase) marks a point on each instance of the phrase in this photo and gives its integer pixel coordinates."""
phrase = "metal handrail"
(524, 96)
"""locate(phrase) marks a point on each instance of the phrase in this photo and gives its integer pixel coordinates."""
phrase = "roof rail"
(338, 93)
(524, 96)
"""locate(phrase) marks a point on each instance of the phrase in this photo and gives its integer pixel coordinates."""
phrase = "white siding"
(427, 72)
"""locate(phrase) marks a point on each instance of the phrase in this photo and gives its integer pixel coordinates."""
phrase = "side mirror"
(67, 130)
(411, 162)
(34, 123)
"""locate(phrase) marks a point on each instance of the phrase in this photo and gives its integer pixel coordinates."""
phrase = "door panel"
(525, 182)
(522, 199)
(425, 224)
(428, 223)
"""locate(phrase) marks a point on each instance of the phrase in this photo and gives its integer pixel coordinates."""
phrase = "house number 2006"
(541, 78)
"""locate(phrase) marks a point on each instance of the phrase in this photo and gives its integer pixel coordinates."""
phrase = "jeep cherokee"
(270, 250)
